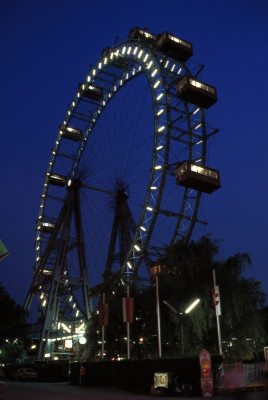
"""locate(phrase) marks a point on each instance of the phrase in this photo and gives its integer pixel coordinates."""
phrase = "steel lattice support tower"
(64, 298)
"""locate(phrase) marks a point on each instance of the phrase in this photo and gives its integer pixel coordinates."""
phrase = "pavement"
(66, 391)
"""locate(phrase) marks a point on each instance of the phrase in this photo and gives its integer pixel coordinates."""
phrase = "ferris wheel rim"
(121, 52)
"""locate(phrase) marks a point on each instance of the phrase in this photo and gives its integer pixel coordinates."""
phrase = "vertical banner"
(127, 303)
(103, 314)
(206, 374)
(216, 300)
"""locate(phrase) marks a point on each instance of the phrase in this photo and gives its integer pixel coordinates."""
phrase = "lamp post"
(155, 270)
(187, 311)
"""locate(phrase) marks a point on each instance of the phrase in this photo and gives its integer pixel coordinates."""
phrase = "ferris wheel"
(126, 172)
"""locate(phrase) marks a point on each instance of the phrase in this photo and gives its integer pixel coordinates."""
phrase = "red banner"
(127, 303)
(103, 314)
(216, 300)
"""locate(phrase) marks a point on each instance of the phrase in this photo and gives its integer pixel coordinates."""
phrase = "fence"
(239, 375)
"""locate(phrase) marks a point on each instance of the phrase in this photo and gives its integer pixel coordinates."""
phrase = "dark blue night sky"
(47, 49)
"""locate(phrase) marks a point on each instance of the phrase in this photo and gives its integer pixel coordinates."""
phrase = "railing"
(239, 375)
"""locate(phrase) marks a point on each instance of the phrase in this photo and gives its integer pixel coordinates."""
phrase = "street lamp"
(187, 311)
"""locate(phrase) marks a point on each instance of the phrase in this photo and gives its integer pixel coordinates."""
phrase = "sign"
(127, 303)
(216, 300)
(103, 314)
(160, 379)
(206, 373)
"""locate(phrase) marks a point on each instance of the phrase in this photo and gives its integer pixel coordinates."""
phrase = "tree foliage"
(13, 329)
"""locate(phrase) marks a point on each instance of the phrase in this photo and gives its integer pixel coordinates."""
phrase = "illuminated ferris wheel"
(125, 175)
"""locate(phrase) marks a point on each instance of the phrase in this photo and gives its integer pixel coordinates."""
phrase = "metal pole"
(102, 333)
(128, 334)
(182, 339)
(218, 318)
(158, 317)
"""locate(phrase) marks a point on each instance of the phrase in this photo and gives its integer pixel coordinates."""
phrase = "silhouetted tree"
(13, 329)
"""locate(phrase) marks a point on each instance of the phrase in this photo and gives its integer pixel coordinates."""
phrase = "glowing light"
(65, 328)
(140, 53)
(153, 187)
(162, 128)
(149, 64)
(157, 83)
(160, 112)
(167, 62)
(129, 265)
(154, 72)
(160, 96)
(198, 126)
(137, 247)
(146, 57)
(159, 148)
(149, 208)
(157, 167)
(143, 229)
(196, 110)
(192, 306)
(135, 51)
(123, 50)
(129, 50)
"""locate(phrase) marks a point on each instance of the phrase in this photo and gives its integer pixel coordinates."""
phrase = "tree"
(188, 268)
(13, 330)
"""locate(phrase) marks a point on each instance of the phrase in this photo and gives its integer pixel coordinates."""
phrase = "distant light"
(82, 340)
